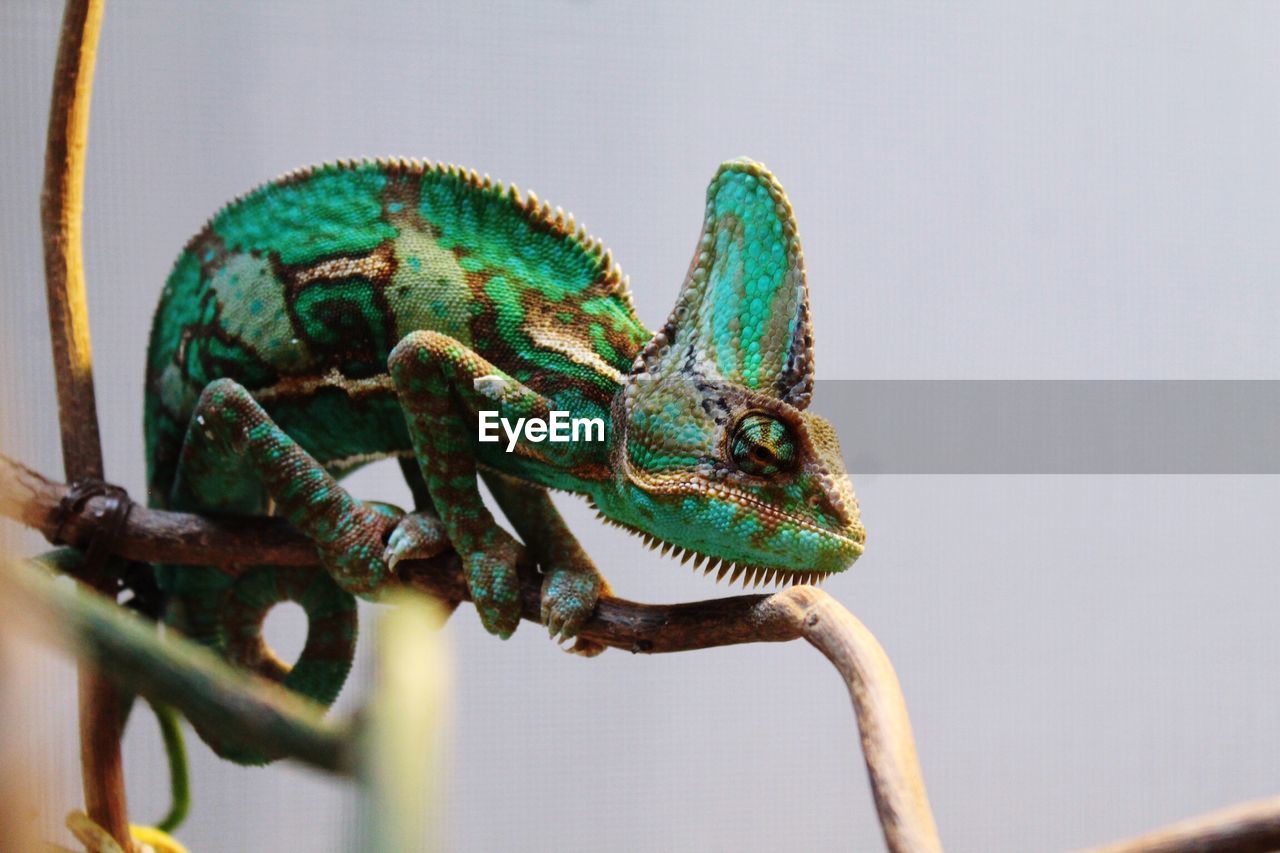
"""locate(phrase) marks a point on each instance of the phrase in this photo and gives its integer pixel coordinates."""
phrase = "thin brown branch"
(61, 220)
(61, 209)
(1248, 828)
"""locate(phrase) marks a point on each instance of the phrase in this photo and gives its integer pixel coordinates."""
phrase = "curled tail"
(227, 614)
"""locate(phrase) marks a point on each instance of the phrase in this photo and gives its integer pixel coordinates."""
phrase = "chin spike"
(666, 548)
(769, 576)
(684, 556)
(698, 560)
(724, 569)
(737, 573)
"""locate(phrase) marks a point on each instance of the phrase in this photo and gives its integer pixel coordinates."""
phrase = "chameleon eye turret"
(359, 310)
(762, 445)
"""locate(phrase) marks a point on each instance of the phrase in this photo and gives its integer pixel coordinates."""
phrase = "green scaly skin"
(359, 310)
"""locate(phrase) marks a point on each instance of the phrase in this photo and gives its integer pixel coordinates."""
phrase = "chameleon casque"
(359, 310)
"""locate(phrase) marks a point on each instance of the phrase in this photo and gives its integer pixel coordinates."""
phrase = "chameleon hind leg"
(234, 458)
(571, 583)
(352, 537)
(441, 384)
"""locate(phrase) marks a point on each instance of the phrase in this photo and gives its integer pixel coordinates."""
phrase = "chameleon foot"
(417, 536)
(569, 596)
(494, 583)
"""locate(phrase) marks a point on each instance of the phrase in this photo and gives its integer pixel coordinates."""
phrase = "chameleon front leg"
(436, 379)
(571, 585)
(358, 542)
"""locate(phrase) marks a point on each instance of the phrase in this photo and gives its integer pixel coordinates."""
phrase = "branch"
(61, 214)
(888, 748)
(1249, 828)
(61, 219)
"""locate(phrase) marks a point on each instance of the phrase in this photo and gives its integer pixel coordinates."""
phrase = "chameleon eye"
(762, 445)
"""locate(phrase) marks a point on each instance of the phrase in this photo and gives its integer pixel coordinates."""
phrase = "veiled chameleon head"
(714, 452)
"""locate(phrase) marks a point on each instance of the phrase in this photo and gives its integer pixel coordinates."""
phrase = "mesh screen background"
(1003, 190)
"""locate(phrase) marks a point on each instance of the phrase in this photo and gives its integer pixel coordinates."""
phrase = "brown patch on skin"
(546, 331)
(282, 274)
(210, 250)
(593, 471)
(484, 323)
(404, 188)
(378, 266)
(305, 387)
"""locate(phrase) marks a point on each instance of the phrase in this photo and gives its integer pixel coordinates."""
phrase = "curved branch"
(1248, 828)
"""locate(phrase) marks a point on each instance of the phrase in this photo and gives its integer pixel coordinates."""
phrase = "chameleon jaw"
(750, 575)
(726, 492)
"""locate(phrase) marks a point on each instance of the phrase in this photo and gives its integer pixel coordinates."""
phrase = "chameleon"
(365, 309)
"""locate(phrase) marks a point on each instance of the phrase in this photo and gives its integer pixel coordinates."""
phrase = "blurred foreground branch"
(170, 670)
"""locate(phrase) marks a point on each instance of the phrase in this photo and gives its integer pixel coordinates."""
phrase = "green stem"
(179, 777)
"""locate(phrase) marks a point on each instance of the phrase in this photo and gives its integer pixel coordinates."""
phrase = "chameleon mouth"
(725, 492)
(751, 575)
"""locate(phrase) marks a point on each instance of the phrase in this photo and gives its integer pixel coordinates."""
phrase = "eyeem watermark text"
(560, 426)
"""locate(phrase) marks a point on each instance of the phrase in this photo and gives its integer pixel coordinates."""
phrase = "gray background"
(1003, 190)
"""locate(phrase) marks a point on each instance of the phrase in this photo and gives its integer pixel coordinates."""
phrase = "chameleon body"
(359, 310)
